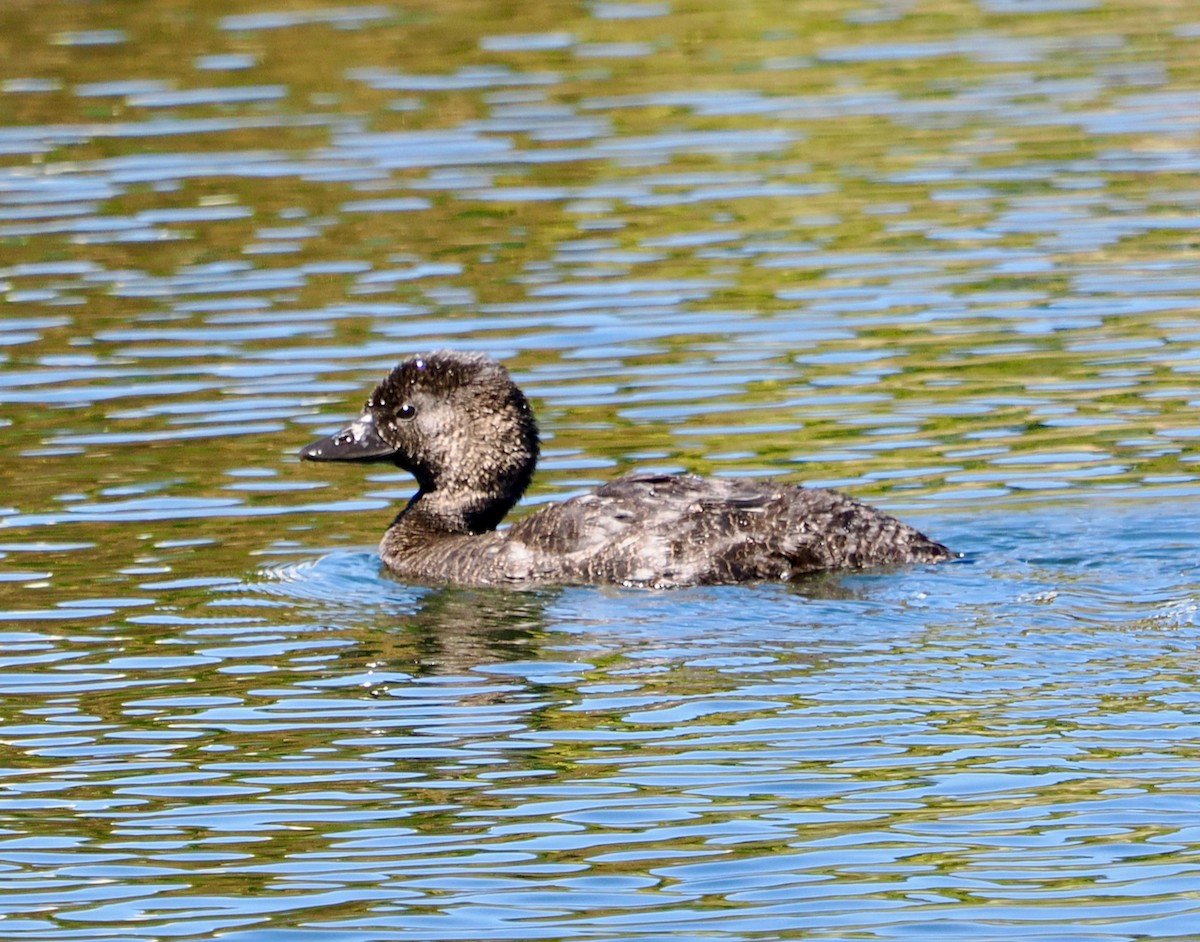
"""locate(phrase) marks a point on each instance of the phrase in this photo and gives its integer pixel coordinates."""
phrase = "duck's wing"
(815, 529)
(601, 536)
(718, 530)
(655, 529)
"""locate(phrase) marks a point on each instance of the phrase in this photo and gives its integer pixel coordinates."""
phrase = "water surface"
(940, 255)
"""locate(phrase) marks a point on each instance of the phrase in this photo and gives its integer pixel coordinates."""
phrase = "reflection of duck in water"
(459, 424)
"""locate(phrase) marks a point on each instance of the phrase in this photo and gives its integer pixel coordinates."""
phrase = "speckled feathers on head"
(436, 374)
(464, 429)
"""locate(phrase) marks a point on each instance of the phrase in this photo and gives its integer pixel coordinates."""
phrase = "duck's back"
(684, 530)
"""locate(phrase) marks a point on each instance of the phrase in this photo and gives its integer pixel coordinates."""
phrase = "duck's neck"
(432, 513)
(431, 539)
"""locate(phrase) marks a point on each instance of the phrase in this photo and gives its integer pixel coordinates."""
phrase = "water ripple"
(946, 269)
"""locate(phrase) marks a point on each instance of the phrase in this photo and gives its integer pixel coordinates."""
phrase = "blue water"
(940, 258)
(1001, 744)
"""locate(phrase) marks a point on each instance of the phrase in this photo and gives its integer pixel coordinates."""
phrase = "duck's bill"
(359, 441)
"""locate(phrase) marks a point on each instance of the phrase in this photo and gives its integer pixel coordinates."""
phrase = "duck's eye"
(407, 411)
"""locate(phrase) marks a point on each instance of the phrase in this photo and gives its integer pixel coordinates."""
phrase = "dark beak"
(359, 441)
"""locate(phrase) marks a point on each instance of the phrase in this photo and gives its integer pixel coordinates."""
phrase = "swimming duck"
(459, 424)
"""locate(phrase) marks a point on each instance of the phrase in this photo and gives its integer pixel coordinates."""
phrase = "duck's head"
(458, 424)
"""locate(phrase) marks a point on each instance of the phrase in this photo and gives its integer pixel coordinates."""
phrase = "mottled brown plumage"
(459, 424)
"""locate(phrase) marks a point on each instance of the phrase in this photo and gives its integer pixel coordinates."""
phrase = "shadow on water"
(426, 629)
(455, 628)
(458, 628)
